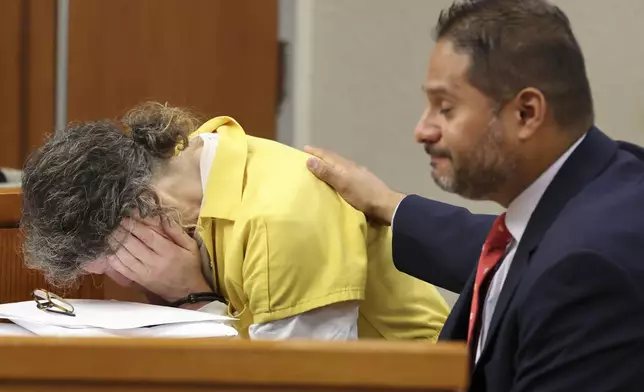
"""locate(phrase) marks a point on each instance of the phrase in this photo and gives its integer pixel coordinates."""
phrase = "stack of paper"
(103, 318)
(8, 329)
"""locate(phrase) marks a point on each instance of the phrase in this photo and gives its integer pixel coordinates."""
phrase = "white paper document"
(201, 329)
(97, 318)
(8, 329)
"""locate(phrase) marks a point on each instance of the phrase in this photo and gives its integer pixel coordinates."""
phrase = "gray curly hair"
(83, 181)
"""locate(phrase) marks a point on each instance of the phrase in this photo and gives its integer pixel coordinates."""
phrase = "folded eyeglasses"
(50, 302)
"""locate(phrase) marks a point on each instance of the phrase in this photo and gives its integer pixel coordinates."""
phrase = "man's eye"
(445, 111)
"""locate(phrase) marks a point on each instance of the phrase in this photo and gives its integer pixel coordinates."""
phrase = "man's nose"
(427, 132)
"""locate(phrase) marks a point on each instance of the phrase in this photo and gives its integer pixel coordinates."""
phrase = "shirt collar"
(226, 178)
(208, 153)
(521, 208)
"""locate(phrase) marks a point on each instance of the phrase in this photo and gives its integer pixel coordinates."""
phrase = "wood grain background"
(218, 57)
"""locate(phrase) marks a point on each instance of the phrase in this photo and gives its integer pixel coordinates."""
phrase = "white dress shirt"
(516, 219)
(333, 322)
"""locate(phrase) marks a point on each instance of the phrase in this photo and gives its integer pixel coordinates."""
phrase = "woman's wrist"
(194, 306)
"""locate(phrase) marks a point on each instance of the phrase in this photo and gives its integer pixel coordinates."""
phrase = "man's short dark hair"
(515, 44)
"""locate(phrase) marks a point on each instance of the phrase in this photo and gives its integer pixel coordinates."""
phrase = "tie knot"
(499, 236)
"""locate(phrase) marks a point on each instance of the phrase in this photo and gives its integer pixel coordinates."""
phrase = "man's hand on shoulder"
(355, 183)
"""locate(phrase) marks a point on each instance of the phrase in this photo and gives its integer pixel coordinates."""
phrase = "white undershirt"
(332, 322)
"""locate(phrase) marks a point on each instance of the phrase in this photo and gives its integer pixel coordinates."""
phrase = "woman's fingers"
(143, 242)
(126, 267)
(178, 235)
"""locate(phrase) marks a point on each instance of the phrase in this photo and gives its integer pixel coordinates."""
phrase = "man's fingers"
(327, 156)
(329, 166)
(322, 170)
(318, 152)
(322, 163)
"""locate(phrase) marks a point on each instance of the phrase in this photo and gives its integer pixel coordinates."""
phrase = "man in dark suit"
(552, 290)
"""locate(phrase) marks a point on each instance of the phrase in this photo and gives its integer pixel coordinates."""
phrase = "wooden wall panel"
(218, 57)
(16, 281)
(27, 56)
(10, 206)
(215, 56)
(111, 290)
(40, 58)
(11, 15)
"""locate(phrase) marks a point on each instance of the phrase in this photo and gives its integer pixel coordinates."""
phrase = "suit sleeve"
(437, 242)
(582, 329)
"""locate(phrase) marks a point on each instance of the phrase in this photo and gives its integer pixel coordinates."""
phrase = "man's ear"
(530, 111)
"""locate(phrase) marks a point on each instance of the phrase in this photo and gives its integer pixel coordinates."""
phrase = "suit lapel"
(455, 327)
(584, 164)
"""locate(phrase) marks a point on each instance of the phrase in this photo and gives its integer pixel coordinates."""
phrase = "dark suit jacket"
(570, 316)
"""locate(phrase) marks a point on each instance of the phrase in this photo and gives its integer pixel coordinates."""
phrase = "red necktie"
(491, 255)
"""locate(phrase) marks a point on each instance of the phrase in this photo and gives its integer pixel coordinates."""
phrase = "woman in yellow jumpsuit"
(289, 257)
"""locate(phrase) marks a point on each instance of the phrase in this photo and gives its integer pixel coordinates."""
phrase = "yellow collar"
(226, 179)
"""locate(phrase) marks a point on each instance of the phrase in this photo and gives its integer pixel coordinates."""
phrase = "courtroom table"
(161, 365)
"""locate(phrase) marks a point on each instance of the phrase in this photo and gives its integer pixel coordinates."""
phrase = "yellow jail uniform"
(282, 243)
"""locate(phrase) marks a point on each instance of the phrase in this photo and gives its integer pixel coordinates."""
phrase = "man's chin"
(444, 182)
